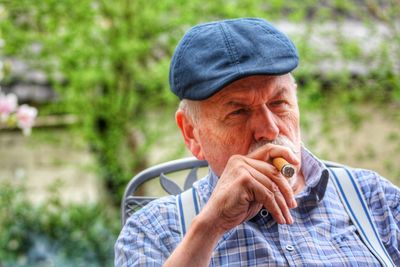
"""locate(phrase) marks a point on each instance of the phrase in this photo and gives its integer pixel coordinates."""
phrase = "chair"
(132, 202)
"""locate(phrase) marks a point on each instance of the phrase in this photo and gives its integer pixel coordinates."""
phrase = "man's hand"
(247, 184)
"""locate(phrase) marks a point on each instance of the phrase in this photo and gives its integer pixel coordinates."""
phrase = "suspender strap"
(357, 209)
(188, 207)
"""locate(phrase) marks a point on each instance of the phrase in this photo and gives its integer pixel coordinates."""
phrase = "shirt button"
(264, 213)
(289, 248)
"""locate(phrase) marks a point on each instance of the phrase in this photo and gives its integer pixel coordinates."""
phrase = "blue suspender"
(357, 209)
(188, 206)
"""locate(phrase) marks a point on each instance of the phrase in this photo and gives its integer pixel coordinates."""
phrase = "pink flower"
(26, 118)
(8, 104)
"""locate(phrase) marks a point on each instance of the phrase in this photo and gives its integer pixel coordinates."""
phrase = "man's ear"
(189, 133)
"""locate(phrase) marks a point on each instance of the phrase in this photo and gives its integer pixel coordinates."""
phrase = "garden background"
(97, 71)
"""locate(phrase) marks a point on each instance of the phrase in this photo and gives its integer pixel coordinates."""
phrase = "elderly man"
(239, 111)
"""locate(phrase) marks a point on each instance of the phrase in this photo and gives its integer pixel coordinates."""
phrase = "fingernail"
(282, 220)
(290, 220)
(293, 203)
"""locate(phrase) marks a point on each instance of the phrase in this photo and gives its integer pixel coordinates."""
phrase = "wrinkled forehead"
(257, 86)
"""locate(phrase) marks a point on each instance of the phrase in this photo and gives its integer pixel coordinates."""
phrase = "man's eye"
(278, 103)
(239, 111)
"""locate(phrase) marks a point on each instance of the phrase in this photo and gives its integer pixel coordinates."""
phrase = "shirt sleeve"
(149, 236)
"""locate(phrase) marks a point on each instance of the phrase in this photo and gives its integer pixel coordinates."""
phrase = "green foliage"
(53, 234)
(109, 60)
(111, 57)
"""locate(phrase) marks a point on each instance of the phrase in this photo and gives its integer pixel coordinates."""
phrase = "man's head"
(241, 117)
(237, 94)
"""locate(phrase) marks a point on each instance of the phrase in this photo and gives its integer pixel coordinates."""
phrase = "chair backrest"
(131, 202)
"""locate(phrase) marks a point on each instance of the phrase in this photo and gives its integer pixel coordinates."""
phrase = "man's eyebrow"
(235, 103)
(239, 102)
(283, 90)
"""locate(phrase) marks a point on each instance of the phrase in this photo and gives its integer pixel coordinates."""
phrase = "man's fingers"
(263, 185)
(269, 176)
(266, 197)
(283, 207)
(270, 151)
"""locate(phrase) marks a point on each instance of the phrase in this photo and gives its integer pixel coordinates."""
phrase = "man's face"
(246, 114)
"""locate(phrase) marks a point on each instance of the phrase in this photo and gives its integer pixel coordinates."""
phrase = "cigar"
(284, 167)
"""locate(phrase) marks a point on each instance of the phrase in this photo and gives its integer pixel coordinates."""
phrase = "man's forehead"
(240, 90)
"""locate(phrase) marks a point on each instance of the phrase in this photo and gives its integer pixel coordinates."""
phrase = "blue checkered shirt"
(322, 233)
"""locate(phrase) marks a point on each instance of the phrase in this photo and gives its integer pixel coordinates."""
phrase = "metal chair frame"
(131, 202)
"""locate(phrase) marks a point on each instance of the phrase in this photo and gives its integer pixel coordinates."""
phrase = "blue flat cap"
(212, 55)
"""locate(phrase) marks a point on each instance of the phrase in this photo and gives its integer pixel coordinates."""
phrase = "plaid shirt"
(322, 233)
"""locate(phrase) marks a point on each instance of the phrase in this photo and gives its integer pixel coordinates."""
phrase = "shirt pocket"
(348, 239)
(349, 245)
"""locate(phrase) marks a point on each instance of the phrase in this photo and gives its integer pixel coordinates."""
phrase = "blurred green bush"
(53, 234)
(109, 61)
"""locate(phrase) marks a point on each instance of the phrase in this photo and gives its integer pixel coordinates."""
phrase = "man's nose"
(265, 125)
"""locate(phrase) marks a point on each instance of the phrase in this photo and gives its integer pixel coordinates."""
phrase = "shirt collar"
(315, 173)
(206, 186)
(212, 181)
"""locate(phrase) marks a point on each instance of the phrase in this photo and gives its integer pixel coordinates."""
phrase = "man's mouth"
(281, 140)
